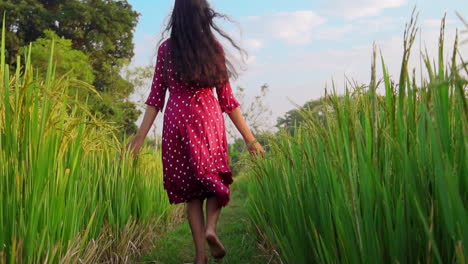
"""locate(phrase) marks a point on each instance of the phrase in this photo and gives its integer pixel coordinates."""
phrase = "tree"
(295, 117)
(102, 29)
(26, 21)
(67, 59)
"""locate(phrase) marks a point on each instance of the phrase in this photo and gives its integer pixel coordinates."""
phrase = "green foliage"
(102, 29)
(295, 117)
(122, 114)
(238, 151)
(69, 61)
(139, 76)
(26, 21)
(382, 180)
(64, 177)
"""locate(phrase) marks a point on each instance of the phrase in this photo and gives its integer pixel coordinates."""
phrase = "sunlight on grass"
(383, 179)
(66, 191)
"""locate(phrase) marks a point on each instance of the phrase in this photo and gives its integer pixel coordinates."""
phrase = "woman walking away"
(191, 64)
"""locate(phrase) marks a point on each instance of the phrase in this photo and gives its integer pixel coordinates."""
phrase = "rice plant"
(381, 179)
(64, 178)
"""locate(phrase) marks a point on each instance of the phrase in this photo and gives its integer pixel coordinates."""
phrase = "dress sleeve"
(158, 88)
(226, 98)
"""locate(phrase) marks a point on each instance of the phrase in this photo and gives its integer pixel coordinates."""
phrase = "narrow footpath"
(234, 229)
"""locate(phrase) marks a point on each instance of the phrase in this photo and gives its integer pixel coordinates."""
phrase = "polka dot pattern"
(194, 144)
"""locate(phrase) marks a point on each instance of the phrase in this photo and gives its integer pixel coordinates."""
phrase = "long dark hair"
(197, 56)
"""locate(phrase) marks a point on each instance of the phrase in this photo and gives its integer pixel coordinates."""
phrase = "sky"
(298, 47)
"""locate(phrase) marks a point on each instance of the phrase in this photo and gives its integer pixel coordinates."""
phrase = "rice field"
(68, 193)
(382, 178)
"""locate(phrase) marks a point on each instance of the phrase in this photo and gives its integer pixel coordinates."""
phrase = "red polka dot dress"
(194, 144)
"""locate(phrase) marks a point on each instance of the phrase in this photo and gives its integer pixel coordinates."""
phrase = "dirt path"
(234, 228)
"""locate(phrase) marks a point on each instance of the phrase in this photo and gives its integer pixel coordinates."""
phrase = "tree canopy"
(101, 29)
(68, 60)
(295, 117)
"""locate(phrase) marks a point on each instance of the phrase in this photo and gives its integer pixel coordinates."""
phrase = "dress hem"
(223, 198)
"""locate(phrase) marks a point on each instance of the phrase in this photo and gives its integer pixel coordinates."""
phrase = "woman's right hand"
(135, 145)
(150, 115)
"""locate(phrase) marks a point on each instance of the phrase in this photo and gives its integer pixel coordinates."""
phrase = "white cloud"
(304, 26)
(145, 49)
(294, 28)
(305, 72)
(327, 32)
(253, 44)
(361, 8)
(380, 23)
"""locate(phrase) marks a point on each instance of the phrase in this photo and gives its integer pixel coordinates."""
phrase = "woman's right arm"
(148, 120)
(155, 101)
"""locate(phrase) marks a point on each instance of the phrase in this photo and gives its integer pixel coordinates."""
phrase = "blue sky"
(298, 46)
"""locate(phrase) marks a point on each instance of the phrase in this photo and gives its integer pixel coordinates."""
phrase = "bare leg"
(197, 225)
(213, 210)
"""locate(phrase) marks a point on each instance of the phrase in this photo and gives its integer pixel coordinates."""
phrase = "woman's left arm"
(238, 119)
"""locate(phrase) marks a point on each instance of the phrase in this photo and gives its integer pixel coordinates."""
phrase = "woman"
(191, 63)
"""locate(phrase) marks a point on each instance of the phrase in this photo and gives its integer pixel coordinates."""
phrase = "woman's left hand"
(255, 148)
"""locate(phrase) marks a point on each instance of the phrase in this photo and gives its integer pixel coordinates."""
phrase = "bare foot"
(217, 249)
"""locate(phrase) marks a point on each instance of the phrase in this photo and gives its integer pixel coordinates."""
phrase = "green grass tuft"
(382, 179)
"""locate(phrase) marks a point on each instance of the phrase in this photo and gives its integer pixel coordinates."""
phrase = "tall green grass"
(63, 179)
(384, 179)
